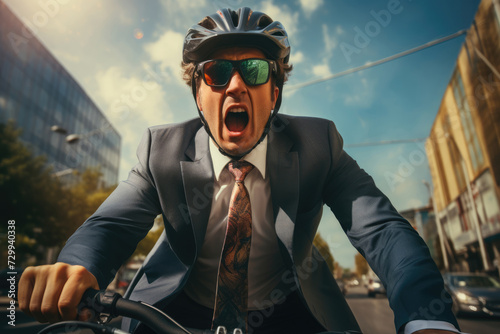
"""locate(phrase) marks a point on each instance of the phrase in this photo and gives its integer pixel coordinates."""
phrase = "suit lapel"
(283, 167)
(198, 179)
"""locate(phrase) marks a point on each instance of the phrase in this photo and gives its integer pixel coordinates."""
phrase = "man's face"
(223, 106)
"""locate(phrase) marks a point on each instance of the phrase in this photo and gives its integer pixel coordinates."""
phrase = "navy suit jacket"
(307, 168)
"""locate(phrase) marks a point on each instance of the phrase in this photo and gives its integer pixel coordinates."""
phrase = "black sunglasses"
(218, 72)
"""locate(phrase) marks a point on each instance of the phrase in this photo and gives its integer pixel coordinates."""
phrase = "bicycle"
(108, 304)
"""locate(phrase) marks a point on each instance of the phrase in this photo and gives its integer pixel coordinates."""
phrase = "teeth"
(237, 110)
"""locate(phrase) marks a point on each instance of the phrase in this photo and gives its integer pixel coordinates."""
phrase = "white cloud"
(167, 51)
(132, 103)
(309, 6)
(282, 14)
(339, 30)
(361, 93)
(330, 40)
(322, 70)
(296, 57)
(414, 203)
(188, 5)
(183, 14)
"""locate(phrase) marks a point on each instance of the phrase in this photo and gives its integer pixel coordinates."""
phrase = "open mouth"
(236, 120)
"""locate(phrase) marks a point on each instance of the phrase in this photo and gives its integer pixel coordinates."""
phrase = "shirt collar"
(256, 157)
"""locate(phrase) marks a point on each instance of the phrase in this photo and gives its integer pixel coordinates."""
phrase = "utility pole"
(439, 226)
(496, 7)
(475, 214)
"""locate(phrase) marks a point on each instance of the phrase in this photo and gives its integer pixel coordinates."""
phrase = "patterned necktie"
(232, 285)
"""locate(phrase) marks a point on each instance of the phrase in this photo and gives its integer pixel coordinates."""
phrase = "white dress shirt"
(266, 266)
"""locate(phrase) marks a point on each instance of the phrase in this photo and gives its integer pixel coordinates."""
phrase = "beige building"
(463, 147)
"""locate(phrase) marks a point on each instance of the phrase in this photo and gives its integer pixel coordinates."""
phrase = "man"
(241, 191)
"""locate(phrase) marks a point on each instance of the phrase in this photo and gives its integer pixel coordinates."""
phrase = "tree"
(362, 266)
(30, 195)
(84, 198)
(324, 250)
(338, 270)
(146, 244)
(46, 213)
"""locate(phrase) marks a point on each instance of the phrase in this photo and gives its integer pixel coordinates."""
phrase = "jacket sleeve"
(391, 246)
(111, 234)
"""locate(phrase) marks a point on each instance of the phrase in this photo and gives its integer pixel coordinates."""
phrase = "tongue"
(236, 122)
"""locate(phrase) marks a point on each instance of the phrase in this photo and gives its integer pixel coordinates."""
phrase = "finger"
(26, 284)
(55, 283)
(78, 282)
(85, 314)
(35, 304)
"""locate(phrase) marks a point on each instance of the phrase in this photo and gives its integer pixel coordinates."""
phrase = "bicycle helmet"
(229, 28)
(242, 27)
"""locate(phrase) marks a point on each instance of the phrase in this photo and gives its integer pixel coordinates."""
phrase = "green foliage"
(362, 266)
(84, 198)
(28, 192)
(324, 250)
(146, 244)
(46, 212)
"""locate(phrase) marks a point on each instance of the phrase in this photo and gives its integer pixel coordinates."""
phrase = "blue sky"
(126, 55)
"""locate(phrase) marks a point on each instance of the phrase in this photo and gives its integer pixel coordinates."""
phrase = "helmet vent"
(234, 18)
(208, 23)
(264, 21)
(278, 33)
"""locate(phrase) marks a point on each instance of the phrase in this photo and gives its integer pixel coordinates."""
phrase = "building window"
(455, 155)
(475, 151)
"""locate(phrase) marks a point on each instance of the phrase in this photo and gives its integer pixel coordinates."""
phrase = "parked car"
(125, 276)
(375, 287)
(474, 294)
(342, 286)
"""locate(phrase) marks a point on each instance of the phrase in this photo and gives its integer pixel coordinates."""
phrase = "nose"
(236, 86)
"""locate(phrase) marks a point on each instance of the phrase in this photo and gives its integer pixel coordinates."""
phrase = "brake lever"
(102, 302)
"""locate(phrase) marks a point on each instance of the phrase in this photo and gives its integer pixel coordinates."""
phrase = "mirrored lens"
(255, 71)
(217, 73)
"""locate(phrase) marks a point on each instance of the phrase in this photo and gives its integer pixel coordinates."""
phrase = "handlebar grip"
(89, 296)
(101, 301)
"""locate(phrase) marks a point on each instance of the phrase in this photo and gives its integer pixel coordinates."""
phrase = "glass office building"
(37, 93)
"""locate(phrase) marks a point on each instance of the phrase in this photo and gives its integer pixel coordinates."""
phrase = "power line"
(386, 142)
(378, 62)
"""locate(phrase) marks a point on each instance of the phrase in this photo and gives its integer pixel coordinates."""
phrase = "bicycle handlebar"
(111, 304)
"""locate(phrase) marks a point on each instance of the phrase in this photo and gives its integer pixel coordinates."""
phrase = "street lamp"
(74, 138)
(58, 129)
(439, 226)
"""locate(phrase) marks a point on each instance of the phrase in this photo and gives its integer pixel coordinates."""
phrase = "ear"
(198, 100)
(275, 92)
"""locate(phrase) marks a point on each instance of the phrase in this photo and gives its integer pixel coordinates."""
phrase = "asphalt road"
(375, 316)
